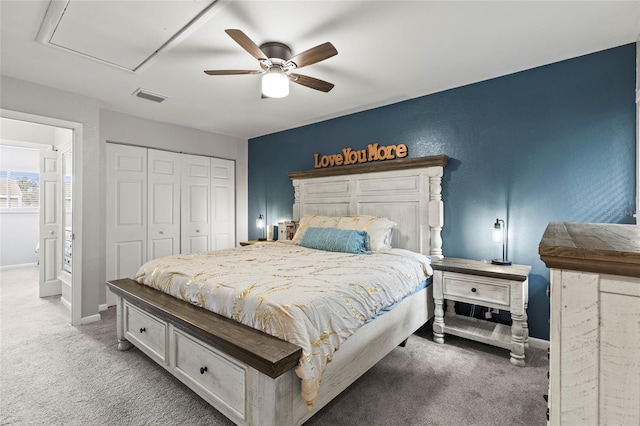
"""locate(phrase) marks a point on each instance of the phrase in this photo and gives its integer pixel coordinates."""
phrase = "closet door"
(163, 203)
(196, 206)
(223, 196)
(126, 210)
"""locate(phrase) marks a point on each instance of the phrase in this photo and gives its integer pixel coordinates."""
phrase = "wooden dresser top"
(592, 247)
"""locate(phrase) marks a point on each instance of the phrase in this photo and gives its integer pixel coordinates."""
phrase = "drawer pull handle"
(473, 290)
(142, 330)
(203, 369)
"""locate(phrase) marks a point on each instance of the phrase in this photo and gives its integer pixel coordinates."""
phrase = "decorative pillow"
(314, 221)
(379, 229)
(333, 239)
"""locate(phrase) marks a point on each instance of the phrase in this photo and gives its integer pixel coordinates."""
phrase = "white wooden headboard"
(408, 191)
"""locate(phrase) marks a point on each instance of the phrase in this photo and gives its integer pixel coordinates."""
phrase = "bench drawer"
(218, 378)
(146, 332)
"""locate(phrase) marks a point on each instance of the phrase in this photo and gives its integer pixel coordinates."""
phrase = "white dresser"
(595, 323)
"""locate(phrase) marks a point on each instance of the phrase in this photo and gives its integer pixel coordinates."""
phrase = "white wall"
(19, 238)
(19, 159)
(16, 130)
(19, 228)
(98, 126)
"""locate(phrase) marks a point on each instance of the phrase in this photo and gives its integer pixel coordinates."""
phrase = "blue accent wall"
(554, 143)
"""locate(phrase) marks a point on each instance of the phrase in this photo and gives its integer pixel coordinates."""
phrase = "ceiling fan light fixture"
(275, 83)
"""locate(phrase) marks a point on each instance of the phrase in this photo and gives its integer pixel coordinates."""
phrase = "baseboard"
(90, 319)
(538, 343)
(66, 303)
(103, 307)
(22, 265)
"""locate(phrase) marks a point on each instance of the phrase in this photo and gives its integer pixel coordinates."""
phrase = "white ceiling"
(389, 51)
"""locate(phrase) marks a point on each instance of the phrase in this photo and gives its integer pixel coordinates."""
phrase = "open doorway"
(37, 176)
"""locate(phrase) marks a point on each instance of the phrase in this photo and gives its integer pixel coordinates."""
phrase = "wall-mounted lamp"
(261, 225)
(500, 236)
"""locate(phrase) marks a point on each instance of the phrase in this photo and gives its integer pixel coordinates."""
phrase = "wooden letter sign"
(374, 152)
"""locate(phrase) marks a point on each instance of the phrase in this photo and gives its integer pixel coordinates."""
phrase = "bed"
(250, 376)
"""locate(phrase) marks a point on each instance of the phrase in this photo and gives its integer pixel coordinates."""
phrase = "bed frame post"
(296, 200)
(271, 399)
(123, 344)
(436, 212)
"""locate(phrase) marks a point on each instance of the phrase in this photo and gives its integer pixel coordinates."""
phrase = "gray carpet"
(55, 374)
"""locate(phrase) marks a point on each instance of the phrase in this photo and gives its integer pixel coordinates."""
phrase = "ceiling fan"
(278, 65)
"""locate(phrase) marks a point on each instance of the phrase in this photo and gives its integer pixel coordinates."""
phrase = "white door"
(223, 204)
(126, 210)
(50, 224)
(196, 206)
(163, 206)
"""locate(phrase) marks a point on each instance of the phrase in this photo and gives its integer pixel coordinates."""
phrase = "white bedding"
(312, 298)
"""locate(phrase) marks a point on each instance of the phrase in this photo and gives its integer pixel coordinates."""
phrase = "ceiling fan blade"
(231, 72)
(313, 55)
(313, 83)
(247, 44)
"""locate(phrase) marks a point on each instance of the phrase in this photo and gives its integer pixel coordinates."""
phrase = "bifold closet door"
(126, 210)
(223, 196)
(163, 203)
(196, 205)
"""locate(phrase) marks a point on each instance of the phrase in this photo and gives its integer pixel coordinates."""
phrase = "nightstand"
(484, 284)
(252, 242)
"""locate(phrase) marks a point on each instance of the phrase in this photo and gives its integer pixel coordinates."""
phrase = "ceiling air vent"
(150, 96)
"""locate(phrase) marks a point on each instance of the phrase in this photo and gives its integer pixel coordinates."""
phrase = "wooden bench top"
(265, 353)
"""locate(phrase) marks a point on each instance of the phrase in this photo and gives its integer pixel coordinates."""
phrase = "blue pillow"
(334, 239)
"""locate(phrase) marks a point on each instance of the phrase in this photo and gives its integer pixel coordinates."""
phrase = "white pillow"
(378, 228)
(314, 221)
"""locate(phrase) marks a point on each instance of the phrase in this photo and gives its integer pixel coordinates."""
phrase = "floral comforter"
(312, 298)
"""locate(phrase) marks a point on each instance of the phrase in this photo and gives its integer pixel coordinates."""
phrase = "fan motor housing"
(276, 50)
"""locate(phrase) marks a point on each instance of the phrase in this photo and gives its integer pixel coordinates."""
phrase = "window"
(19, 190)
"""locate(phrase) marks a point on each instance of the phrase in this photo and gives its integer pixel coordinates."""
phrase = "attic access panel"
(124, 34)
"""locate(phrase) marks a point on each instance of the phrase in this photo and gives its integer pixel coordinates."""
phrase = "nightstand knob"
(142, 330)
(203, 369)
(473, 290)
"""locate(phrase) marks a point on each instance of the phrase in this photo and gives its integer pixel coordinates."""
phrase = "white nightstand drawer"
(148, 333)
(475, 288)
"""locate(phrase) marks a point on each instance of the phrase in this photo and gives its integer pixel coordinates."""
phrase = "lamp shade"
(500, 236)
(260, 222)
(497, 232)
(275, 83)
